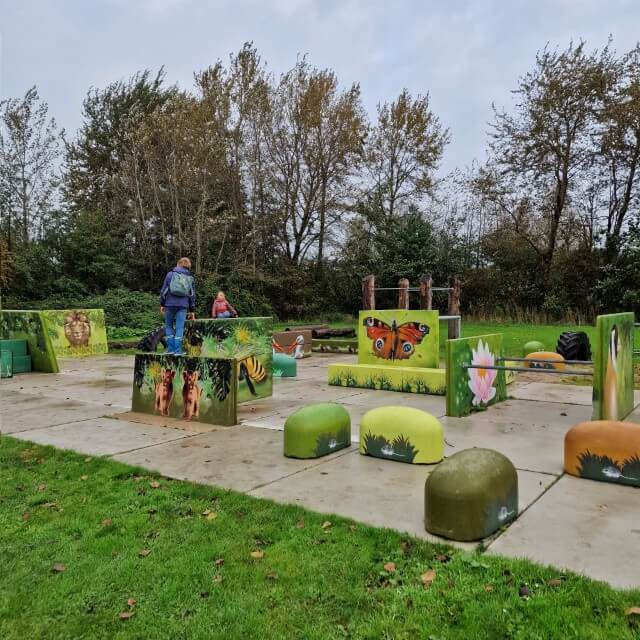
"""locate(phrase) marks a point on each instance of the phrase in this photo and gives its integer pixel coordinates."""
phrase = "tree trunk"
(403, 294)
(368, 293)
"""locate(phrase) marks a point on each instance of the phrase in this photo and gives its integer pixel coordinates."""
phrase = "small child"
(221, 307)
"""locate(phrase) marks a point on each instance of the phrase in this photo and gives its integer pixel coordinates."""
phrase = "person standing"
(177, 301)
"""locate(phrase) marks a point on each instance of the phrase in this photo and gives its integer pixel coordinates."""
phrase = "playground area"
(565, 521)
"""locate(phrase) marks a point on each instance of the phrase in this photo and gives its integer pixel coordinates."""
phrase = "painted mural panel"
(247, 340)
(200, 389)
(398, 337)
(77, 332)
(474, 389)
(293, 343)
(613, 370)
(30, 326)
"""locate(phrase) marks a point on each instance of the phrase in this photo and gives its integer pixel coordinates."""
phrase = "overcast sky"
(466, 54)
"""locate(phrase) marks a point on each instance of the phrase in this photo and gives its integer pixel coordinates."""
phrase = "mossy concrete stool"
(402, 434)
(531, 347)
(604, 450)
(284, 366)
(316, 430)
(470, 495)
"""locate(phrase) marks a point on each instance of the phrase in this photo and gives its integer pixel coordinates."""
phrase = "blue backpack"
(181, 284)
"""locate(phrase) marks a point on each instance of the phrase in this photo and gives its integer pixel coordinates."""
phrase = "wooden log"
(403, 294)
(454, 306)
(307, 327)
(340, 332)
(369, 292)
(426, 294)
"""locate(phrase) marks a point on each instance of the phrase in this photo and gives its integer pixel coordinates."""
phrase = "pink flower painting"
(481, 380)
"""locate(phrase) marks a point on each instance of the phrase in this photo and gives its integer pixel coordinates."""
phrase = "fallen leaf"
(132, 602)
(204, 594)
(125, 615)
(632, 611)
(217, 578)
(563, 413)
(42, 487)
(107, 522)
(554, 582)
(25, 516)
(390, 567)
(488, 588)
(257, 555)
(524, 592)
(154, 485)
(441, 557)
(603, 507)
(272, 576)
(219, 562)
(88, 459)
(428, 577)
(352, 527)
(300, 524)
(83, 478)
(143, 553)
(58, 567)
(326, 524)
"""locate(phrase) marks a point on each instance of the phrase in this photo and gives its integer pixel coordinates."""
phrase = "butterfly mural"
(395, 341)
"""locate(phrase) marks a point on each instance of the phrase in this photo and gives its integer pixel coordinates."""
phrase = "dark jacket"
(167, 299)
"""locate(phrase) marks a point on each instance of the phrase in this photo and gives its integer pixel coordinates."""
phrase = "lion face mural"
(77, 329)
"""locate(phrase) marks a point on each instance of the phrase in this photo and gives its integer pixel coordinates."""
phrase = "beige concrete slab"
(377, 492)
(549, 392)
(107, 393)
(588, 527)
(191, 426)
(435, 405)
(530, 434)
(240, 458)
(102, 436)
(21, 411)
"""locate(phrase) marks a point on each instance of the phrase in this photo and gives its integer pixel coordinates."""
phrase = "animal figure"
(395, 342)
(191, 393)
(164, 392)
(77, 329)
(299, 348)
(252, 371)
(610, 395)
(296, 347)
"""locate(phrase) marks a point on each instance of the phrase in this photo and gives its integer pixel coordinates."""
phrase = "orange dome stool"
(556, 361)
(604, 450)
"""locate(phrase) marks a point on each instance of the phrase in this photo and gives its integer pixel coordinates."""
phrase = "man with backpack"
(177, 299)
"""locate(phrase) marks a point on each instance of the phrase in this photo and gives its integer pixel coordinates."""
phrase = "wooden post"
(368, 293)
(426, 295)
(454, 306)
(403, 294)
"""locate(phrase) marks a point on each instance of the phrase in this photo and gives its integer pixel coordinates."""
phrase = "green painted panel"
(200, 389)
(398, 337)
(474, 389)
(613, 369)
(317, 430)
(248, 340)
(284, 366)
(6, 364)
(403, 379)
(30, 326)
(77, 332)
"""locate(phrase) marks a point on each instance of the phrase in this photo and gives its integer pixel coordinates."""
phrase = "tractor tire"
(150, 342)
(574, 345)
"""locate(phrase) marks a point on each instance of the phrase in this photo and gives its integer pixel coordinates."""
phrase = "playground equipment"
(604, 450)
(401, 434)
(317, 430)
(295, 343)
(574, 345)
(425, 291)
(32, 327)
(471, 495)
(77, 332)
(476, 379)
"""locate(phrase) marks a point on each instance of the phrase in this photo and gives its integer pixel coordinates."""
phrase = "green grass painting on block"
(474, 389)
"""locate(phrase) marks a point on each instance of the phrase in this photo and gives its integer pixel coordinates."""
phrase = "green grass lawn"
(94, 549)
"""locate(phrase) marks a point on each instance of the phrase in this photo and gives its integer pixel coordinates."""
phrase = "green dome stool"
(317, 430)
(402, 434)
(471, 495)
(531, 347)
(284, 366)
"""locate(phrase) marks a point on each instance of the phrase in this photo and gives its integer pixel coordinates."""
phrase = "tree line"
(285, 192)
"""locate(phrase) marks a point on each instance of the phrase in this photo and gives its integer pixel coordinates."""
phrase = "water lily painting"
(471, 389)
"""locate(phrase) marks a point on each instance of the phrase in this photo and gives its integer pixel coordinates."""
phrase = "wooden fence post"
(403, 294)
(455, 287)
(368, 293)
(426, 295)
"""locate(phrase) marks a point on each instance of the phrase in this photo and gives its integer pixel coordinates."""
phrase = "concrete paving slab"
(191, 426)
(435, 405)
(549, 392)
(102, 436)
(240, 458)
(377, 492)
(530, 434)
(588, 527)
(21, 411)
(101, 392)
